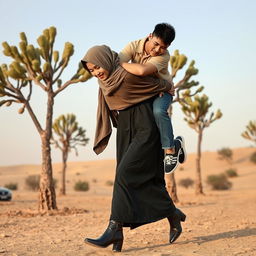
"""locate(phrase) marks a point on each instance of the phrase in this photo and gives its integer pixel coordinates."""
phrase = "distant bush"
(226, 154)
(253, 157)
(231, 173)
(81, 186)
(181, 168)
(109, 183)
(219, 182)
(187, 182)
(32, 182)
(11, 186)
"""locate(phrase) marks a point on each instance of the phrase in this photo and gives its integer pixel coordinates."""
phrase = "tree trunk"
(171, 187)
(64, 167)
(47, 196)
(199, 186)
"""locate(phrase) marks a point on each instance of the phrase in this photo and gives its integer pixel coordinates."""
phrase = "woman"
(139, 193)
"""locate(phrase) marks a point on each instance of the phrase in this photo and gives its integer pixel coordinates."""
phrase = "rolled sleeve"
(160, 62)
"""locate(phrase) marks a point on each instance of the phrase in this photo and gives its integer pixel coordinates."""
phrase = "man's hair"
(165, 32)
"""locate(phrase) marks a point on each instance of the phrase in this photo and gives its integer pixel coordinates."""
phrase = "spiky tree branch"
(178, 61)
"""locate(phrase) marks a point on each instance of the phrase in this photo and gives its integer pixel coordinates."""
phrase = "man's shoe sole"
(183, 148)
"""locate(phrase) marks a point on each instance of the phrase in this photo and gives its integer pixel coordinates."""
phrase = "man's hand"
(172, 91)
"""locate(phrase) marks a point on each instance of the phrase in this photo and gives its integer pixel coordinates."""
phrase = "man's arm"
(139, 69)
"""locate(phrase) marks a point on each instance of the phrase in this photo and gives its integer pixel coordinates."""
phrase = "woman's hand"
(171, 91)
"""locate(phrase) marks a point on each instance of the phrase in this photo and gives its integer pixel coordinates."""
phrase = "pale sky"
(219, 35)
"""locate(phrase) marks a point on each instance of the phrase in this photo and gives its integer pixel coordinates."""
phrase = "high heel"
(117, 246)
(182, 216)
(175, 225)
(112, 235)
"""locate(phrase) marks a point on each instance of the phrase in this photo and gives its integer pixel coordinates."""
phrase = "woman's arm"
(146, 84)
(139, 69)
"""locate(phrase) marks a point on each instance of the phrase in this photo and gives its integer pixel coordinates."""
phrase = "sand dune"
(220, 223)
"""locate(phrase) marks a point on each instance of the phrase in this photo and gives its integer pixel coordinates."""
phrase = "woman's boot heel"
(182, 216)
(117, 246)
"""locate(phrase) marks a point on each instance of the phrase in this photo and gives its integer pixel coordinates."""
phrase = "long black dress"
(139, 194)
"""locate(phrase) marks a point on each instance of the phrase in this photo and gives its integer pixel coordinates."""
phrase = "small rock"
(4, 235)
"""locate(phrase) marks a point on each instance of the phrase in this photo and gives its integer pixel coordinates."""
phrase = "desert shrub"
(109, 183)
(81, 186)
(11, 186)
(187, 182)
(226, 154)
(94, 180)
(253, 157)
(33, 182)
(181, 168)
(231, 173)
(219, 182)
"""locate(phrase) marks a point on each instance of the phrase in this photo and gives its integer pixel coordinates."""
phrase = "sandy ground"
(220, 223)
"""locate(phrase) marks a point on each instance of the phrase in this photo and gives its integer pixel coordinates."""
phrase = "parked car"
(5, 194)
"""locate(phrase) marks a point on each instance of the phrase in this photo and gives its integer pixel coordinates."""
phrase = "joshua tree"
(250, 132)
(178, 61)
(70, 135)
(195, 110)
(40, 67)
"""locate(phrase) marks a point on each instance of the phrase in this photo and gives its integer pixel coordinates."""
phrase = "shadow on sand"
(203, 239)
(230, 234)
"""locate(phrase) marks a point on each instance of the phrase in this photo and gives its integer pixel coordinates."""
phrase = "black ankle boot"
(175, 225)
(112, 235)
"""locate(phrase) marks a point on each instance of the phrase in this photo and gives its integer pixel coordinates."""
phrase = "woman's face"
(97, 71)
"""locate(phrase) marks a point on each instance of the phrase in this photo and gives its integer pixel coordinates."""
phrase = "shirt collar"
(141, 46)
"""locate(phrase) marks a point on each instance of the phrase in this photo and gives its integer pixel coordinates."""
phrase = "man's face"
(97, 71)
(155, 46)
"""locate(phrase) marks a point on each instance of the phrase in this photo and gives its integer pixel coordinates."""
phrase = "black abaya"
(139, 194)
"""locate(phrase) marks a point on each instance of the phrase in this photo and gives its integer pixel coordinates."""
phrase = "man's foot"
(171, 160)
(183, 154)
